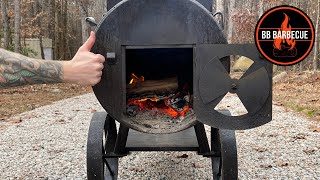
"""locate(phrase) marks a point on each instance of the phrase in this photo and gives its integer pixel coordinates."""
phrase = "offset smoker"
(167, 69)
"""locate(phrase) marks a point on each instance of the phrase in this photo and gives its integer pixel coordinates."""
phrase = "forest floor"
(299, 91)
(20, 99)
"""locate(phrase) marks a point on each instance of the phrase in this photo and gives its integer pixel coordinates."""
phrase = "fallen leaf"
(282, 164)
(16, 120)
(266, 166)
(277, 103)
(299, 136)
(273, 135)
(260, 149)
(29, 116)
(309, 151)
(314, 128)
(197, 165)
(183, 156)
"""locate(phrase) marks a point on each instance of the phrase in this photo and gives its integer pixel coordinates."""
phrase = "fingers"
(89, 43)
(100, 58)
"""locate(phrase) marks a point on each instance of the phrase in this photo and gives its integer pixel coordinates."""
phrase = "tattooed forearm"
(17, 70)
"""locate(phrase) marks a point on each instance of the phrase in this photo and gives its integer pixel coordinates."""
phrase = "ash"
(155, 121)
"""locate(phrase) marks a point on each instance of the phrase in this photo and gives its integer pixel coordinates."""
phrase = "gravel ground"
(50, 142)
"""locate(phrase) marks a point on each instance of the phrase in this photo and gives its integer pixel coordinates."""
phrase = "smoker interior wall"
(160, 63)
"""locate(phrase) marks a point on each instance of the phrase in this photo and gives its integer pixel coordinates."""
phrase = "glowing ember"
(156, 104)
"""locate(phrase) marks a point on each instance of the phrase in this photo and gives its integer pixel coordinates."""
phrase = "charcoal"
(178, 103)
(132, 110)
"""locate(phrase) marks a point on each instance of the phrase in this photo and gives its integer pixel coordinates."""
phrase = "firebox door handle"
(111, 58)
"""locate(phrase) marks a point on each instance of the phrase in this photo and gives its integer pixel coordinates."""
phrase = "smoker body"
(173, 31)
(147, 24)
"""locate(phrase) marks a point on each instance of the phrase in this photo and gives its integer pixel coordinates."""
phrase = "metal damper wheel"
(224, 162)
(101, 141)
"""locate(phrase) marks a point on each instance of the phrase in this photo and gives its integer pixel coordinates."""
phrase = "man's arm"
(17, 70)
(85, 68)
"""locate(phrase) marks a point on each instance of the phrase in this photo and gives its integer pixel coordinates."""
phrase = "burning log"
(135, 80)
(153, 88)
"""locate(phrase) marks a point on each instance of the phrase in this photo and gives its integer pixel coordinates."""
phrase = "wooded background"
(63, 22)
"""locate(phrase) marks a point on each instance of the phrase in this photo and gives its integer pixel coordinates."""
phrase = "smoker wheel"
(101, 140)
(225, 163)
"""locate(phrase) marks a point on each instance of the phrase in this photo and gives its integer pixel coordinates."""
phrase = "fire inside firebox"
(159, 83)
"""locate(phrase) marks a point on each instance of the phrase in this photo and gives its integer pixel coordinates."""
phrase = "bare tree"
(231, 10)
(220, 8)
(5, 21)
(83, 7)
(17, 26)
(316, 46)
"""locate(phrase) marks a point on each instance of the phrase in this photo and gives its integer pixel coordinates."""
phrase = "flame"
(175, 114)
(149, 103)
(136, 79)
(285, 26)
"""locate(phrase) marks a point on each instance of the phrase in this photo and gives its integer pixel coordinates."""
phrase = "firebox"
(159, 87)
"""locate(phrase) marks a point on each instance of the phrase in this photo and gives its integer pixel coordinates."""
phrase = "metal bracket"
(111, 58)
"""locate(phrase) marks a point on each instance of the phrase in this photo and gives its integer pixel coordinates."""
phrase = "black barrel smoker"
(167, 69)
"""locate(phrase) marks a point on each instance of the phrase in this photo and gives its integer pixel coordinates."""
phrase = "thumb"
(90, 42)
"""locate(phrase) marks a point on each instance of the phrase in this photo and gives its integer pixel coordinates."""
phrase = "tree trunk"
(220, 8)
(51, 26)
(57, 30)
(17, 26)
(315, 56)
(214, 6)
(64, 34)
(5, 21)
(260, 9)
(37, 11)
(232, 7)
(83, 14)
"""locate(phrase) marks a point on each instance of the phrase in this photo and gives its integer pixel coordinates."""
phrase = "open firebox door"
(212, 82)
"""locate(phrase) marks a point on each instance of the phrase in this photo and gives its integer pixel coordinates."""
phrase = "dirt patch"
(20, 99)
(301, 92)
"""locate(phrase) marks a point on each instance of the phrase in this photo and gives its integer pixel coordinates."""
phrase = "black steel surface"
(120, 146)
(212, 82)
(201, 138)
(206, 3)
(95, 161)
(181, 141)
(147, 23)
(103, 164)
(225, 163)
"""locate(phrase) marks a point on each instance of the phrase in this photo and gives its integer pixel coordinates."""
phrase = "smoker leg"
(111, 164)
(225, 162)
(101, 138)
(202, 138)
